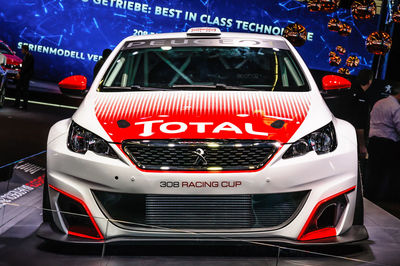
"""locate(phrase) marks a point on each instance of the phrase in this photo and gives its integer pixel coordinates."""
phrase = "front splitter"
(354, 234)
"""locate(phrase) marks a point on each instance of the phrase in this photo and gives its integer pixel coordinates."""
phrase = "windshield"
(4, 49)
(197, 68)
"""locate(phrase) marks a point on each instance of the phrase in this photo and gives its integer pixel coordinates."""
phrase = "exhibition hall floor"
(22, 160)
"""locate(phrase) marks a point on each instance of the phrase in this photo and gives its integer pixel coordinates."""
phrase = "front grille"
(201, 155)
(267, 211)
(10, 66)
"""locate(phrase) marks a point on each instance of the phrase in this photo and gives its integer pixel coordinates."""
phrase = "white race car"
(203, 136)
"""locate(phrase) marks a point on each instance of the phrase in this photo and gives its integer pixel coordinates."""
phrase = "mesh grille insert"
(203, 155)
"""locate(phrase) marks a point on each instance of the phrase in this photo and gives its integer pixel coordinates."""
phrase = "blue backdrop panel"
(68, 36)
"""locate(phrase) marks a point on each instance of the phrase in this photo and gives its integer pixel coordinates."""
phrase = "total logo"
(201, 127)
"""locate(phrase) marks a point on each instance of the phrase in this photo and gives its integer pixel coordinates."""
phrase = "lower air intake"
(201, 211)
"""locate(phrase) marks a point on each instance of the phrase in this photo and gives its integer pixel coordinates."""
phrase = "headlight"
(81, 140)
(321, 141)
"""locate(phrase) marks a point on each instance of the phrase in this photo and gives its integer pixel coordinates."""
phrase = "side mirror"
(73, 85)
(334, 83)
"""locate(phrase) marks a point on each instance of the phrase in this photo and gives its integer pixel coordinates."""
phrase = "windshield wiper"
(128, 88)
(119, 88)
(218, 86)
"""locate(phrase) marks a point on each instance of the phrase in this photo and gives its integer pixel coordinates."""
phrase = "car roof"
(238, 35)
(276, 41)
(184, 35)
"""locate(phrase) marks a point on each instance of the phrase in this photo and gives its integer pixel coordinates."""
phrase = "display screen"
(68, 37)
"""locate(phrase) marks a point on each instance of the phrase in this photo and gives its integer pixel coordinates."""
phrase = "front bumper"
(11, 73)
(323, 175)
(356, 233)
(11, 77)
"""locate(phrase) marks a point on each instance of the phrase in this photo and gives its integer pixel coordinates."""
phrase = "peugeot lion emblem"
(200, 159)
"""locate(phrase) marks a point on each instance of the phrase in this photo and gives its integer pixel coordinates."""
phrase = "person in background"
(384, 147)
(355, 107)
(99, 64)
(360, 108)
(23, 78)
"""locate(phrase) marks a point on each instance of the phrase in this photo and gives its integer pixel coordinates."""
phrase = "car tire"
(359, 209)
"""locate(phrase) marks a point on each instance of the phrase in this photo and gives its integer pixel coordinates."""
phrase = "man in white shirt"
(384, 148)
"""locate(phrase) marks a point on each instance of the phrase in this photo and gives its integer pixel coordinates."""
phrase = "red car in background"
(9, 62)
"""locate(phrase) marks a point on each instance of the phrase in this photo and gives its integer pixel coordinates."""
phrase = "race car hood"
(13, 59)
(201, 114)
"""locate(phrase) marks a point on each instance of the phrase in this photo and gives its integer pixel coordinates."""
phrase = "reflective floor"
(22, 161)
